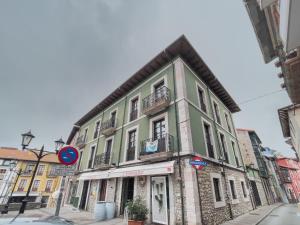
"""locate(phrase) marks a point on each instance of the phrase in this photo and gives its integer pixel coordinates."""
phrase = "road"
(285, 215)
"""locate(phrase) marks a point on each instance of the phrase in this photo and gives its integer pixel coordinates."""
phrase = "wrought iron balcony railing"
(80, 141)
(156, 101)
(108, 127)
(160, 148)
(130, 154)
(102, 160)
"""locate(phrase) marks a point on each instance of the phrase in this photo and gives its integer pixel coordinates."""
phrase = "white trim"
(116, 118)
(94, 145)
(138, 96)
(229, 122)
(198, 86)
(211, 137)
(246, 199)
(236, 152)
(112, 146)
(80, 159)
(163, 78)
(152, 120)
(226, 146)
(136, 128)
(214, 112)
(222, 202)
(233, 201)
(95, 127)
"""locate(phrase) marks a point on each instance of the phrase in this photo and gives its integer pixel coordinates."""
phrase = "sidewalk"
(253, 217)
(68, 213)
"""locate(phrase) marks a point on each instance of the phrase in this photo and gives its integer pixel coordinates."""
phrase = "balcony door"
(131, 145)
(113, 118)
(108, 151)
(158, 90)
(159, 133)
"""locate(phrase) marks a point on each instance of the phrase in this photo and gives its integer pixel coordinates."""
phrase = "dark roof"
(181, 47)
(284, 119)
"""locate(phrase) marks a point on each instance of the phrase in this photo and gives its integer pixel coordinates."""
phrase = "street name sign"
(62, 170)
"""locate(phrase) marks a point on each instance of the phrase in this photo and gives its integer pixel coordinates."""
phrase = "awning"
(133, 171)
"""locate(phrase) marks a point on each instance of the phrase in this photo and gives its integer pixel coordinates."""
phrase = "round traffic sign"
(198, 163)
(68, 155)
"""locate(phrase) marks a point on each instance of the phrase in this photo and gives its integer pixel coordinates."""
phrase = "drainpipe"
(120, 148)
(177, 141)
(223, 167)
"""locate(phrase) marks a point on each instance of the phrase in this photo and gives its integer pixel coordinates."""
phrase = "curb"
(268, 213)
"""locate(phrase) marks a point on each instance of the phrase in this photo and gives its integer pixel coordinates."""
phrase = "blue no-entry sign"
(198, 163)
(68, 155)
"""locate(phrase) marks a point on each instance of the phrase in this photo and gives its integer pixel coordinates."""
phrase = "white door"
(159, 200)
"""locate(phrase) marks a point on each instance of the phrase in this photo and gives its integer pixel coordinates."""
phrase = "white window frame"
(138, 96)
(116, 119)
(79, 159)
(136, 144)
(94, 145)
(198, 86)
(211, 137)
(226, 146)
(222, 202)
(229, 122)
(236, 152)
(87, 134)
(112, 147)
(233, 201)
(95, 127)
(214, 112)
(163, 78)
(152, 120)
(246, 199)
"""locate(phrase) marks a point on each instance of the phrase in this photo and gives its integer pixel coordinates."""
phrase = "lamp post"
(26, 139)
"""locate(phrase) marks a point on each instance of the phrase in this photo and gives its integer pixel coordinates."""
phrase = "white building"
(7, 176)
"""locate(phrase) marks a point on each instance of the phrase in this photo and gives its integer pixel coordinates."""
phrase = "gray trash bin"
(100, 211)
(110, 210)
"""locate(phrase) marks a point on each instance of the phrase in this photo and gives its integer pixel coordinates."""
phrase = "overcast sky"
(59, 58)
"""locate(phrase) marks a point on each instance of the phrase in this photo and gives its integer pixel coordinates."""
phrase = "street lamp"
(58, 144)
(26, 139)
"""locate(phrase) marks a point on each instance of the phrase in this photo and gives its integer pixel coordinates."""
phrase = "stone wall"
(110, 190)
(212, 215)
(92, 195)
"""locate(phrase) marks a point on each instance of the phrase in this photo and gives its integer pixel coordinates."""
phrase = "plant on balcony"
(137, 211)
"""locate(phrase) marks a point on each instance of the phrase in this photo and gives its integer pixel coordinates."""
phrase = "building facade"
(140, 140)
(290, 124)
(7, 177)
(45, 184)
(257, 170)
(289, 174)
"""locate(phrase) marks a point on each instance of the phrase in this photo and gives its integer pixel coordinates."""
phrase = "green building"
(141, 138)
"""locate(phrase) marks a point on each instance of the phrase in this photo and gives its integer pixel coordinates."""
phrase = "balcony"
(80, 142)
(102, 161)
(157, 150)
(157, 101)
(108, 127)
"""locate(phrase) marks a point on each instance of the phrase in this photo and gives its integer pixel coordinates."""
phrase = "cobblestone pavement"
(254, 217)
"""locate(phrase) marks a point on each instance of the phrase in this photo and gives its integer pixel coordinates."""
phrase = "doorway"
(255, 193)
(127, 192)
(84, 195)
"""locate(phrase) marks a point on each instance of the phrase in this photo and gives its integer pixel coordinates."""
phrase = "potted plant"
(137, 211)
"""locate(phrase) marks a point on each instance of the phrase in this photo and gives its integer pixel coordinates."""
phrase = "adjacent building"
(45, 184)
(290, 124)
(139, 141)
(289, 174)
(256, 167)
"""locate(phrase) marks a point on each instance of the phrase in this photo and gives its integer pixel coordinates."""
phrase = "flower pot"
(133, 222)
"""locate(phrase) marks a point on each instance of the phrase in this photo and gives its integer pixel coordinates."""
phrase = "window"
(159, 129)
(2, 171)
(216, 182)
(35, 185)
(113, 116)
(85, 135)
(79, 160)
(102, 190)
(108, 151)
(131, 145)
(201, 99)
(223, 146)
(227, 122)
(29, 169)
(232, 189)
(97, 129)
(159, 90)
(133, 109)
(22, 185)
(48, 186)
(217, 113)
(92, 155)
(235, 155)
(40, 170)
(244, 189)
(209, 146)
